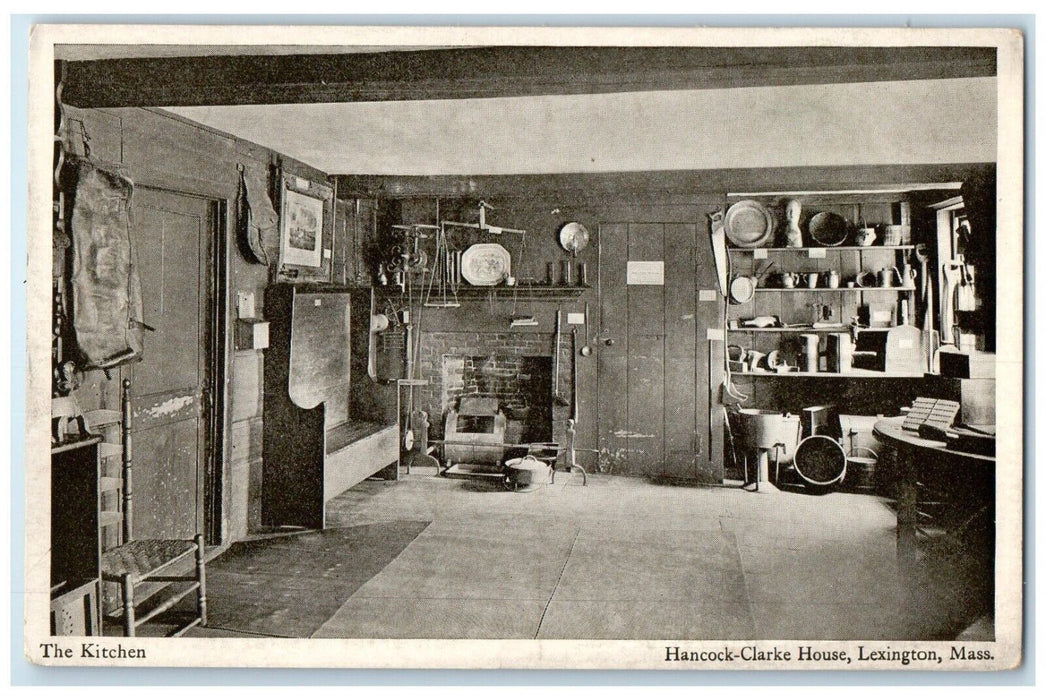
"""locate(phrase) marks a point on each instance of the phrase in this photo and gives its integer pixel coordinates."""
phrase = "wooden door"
(653, 390)
(170, 388)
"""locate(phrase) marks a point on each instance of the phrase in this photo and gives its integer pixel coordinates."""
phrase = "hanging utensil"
(556, 396)
(719, 254)
(948, 302)
(586, 349)
(762, 273)
(967, 298)
(742, 289)
(573, 383)
(922, 255)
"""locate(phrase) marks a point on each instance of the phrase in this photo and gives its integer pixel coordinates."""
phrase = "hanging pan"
(742, 289)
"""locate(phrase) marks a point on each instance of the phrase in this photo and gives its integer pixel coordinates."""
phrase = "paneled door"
(171, 404)
(653, 371)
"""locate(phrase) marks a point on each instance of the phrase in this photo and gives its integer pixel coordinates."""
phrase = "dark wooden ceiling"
(507, 71)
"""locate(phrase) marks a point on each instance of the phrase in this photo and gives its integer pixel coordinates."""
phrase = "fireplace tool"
(556, 396)
(441, 276)
(573, 366)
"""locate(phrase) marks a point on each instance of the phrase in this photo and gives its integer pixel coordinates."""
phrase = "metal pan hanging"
(742, 289)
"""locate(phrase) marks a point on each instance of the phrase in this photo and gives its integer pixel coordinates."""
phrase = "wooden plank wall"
(162, 151)
(622, 225)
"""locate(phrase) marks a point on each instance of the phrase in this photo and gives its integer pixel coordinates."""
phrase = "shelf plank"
(518, 292)
(835, 289)
(862, 248)
(853, 374)
(807, 329)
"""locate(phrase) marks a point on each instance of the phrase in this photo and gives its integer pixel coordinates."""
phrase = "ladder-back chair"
(135, 562)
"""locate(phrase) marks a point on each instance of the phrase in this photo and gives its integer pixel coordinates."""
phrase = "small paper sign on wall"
(646, 272)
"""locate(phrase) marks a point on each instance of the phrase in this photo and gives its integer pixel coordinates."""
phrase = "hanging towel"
(107, 295)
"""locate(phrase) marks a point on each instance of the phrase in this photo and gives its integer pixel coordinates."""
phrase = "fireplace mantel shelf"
(468, 293)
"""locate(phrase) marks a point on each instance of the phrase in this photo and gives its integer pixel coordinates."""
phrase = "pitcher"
(888, 275)
(908, 275)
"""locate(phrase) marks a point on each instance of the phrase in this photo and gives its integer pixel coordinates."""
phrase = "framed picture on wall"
(305, 237)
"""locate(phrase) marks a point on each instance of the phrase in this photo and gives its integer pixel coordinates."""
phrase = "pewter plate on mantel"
(485, 264)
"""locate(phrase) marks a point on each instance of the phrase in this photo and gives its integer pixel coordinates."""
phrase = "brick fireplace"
(516, 368)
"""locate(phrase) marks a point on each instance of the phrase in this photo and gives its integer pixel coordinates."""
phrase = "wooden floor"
(626, 558)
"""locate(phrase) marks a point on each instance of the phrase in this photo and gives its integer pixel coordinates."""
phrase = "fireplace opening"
(521, 385)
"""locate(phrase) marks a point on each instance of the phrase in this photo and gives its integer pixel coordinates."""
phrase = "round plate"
(573, 237)
(828, 229)
(485, 264)
(748, 224)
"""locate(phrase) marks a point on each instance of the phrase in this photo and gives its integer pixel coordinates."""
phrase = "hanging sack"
(256, 221)
(107, 295)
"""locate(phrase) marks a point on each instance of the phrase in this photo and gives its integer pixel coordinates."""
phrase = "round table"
(969, 477)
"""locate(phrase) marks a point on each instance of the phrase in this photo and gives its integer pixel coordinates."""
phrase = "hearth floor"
(625, 558)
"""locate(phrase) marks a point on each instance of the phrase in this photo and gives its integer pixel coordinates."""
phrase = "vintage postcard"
(554, 348)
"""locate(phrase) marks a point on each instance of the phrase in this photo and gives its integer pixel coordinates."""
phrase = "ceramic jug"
(908, 275)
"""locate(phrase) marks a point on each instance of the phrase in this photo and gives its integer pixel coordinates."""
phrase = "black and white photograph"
(538, 348)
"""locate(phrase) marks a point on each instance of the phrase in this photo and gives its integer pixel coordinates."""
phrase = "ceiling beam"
(625, 184)
(507, 71)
